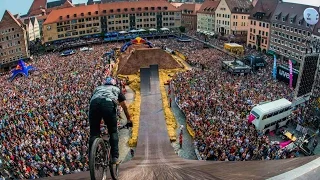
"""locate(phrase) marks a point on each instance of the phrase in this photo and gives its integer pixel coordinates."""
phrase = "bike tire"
(114, 171)
(92, 159)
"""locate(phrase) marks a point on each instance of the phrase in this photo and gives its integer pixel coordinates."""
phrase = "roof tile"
(55, 15)
(193, 7)
(240, 6)
(209, 6)
(285, 8)
(264, 6)
(37, 5)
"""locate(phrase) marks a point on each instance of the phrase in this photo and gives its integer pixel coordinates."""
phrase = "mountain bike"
(100, 157)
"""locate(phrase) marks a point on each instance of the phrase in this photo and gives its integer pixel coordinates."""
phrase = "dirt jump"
(138, 56)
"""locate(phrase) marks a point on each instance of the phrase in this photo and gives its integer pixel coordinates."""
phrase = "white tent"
(164, 29)
(123, 32)
(142, 30)
(152, 29)
(133, 31)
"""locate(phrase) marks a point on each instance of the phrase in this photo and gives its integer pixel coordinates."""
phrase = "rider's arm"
(122, 101)
(125, 109)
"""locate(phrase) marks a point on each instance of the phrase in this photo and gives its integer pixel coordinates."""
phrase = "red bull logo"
(138, 40)
(18, 67)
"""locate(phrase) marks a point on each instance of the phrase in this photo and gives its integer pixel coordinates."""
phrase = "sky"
(22, 6)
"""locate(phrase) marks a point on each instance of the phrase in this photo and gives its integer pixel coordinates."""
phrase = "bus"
(265, 116)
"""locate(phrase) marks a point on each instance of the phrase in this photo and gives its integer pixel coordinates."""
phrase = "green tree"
(182, 29)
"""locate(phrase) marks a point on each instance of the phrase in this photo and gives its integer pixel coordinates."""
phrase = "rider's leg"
(110, 118)
(95, 117)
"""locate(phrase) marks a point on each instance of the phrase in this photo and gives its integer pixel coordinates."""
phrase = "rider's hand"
(129, 124)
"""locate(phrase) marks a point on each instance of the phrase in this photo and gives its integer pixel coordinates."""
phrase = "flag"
(291, 76)
(274, 73)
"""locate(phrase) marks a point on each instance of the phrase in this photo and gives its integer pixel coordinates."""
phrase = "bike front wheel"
(114, 171)
(98, 160)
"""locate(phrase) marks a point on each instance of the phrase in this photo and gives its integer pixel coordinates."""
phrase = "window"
(60, 17)
(89, 13)
(276, 17)
(97, 12)
(82, 14)
(74, 15)
(152, 8)
(291, 20)
(300, 22)
(111, 10)
(132, 9)
(139, 8)
(159, 8)
(125, 9)
(104, 11)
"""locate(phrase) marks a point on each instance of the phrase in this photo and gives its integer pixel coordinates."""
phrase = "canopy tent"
(133, 31)
(123, 32)
(142, 30)
(164, 29)
(152, 29)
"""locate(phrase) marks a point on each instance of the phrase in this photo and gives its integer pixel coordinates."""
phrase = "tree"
(182, 29)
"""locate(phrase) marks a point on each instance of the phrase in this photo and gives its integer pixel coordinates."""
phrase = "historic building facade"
(259, 24)
(13, 40)
(99, 18)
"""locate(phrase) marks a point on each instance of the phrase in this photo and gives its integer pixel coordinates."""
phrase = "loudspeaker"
(307, 75)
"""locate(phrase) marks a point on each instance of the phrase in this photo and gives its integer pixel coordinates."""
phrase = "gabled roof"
(105, 9)
(37, 5)
(285, 9)
(192, 7)
(6, 15)
(267, 7)
(209, 6)
(239, 6)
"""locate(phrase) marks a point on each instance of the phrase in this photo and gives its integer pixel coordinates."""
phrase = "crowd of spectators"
(216, 104)
(43, 119)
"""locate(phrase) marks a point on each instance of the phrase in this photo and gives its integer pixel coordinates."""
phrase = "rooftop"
(48, 8)
(189, 8)
(274, 105)
(209, 6)
(7, 16)
(37, 5)
(264, 10)
(240, 6)
(109, 8)
(291, 14)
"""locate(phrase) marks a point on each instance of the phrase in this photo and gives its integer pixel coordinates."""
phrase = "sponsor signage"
(283, 74)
